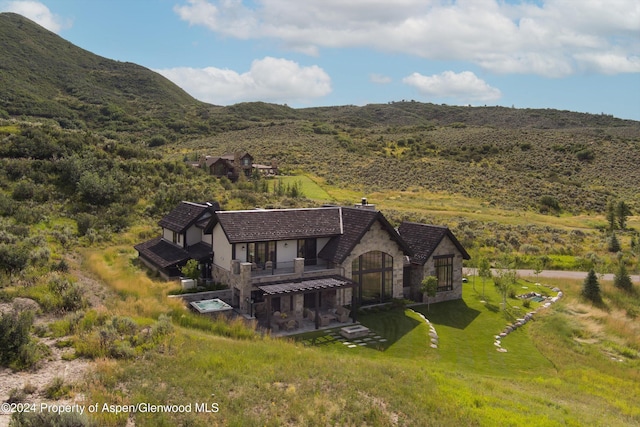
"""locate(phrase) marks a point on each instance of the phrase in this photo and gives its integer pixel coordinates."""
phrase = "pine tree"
(622, 212)
(613, 244)
(611, 215)
(621, 279)
(591, 287)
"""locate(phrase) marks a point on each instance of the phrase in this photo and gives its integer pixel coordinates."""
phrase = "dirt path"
(71, 371)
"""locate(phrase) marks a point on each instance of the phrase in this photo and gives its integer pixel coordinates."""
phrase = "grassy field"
(555, 372)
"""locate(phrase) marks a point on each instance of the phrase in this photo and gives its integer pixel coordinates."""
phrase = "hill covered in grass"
(525, 159)
(515, 159)
(43, 75)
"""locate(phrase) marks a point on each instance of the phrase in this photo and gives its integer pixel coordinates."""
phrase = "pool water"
(211, 305)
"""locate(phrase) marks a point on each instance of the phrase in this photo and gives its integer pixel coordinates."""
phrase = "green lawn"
(310, 189)
(545, 378)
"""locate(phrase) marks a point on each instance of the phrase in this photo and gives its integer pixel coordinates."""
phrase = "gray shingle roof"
(185, 214)
(356, 222)
(280, 224)
(161, 252)
(165, 254)
(423, 239)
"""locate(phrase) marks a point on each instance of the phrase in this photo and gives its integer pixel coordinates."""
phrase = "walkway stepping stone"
(352, 346)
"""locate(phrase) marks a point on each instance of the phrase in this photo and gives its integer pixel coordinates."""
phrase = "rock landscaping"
(527, 317)
(432, 331)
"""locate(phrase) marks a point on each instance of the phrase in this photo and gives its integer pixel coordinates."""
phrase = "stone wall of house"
(446, 247)
(376, 239)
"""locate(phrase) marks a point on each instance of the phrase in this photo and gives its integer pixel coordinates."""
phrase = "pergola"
(309, 286)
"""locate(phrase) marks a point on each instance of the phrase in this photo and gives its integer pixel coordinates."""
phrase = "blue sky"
(579, 55)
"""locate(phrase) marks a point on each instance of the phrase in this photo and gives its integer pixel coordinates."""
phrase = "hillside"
(506, 157)
(45, 76)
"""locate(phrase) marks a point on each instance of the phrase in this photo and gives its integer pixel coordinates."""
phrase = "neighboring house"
(312, 260)
(228, 165)
(184, 236)
(232, 165)
(436, 252)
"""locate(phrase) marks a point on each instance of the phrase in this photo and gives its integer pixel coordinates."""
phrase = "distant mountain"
(43, 75)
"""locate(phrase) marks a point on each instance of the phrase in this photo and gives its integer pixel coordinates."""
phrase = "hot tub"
(211, 306)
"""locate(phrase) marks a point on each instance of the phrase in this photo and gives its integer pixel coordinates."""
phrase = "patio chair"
(311, 315)
(342, 314)
(290, 325)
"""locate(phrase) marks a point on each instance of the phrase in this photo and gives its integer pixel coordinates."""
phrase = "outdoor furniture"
(342, 314)
(325, 319)
(311, 315)
(290, 325)
(268, 265)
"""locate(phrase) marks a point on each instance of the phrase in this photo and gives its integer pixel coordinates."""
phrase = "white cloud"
(379, 79)
(548, 37)
(268, 79)
(38, 13)
(464, 87)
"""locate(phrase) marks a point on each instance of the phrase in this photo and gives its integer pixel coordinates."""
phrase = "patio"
(304, 304)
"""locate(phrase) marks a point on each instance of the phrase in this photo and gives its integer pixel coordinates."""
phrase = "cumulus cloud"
(269, 79)
(464, 87)
(548, 37)
(38, 13)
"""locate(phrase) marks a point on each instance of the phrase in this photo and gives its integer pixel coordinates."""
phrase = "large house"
(301, 260)
(234, 165)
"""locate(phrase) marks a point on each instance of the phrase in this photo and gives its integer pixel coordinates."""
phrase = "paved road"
(559, 274)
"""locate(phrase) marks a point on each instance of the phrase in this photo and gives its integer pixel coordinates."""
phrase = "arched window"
(373, 271)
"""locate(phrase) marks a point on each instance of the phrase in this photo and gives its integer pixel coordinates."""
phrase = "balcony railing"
(280, 268)
(271, 268)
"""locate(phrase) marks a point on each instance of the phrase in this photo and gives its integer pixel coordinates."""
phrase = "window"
(261, 252)
(373, 271)
(444, 272)
(246, 161)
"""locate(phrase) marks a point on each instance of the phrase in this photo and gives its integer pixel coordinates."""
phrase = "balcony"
(285, 270)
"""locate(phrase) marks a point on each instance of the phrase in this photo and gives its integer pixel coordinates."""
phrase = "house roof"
(186, 214)
(280, 224)
(356, 222)
(307, 285)
(423, 239)
(164, 254)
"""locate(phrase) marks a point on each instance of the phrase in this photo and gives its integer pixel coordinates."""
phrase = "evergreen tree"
(611, 215)
(621, 279)
(591, 287)
(622, 212)
(613, 245)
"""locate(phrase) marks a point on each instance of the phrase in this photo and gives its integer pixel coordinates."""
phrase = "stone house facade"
(318, 259)
(436, 252)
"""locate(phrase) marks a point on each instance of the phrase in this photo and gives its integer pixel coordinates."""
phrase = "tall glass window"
(373, 271)
(444, 272)
(261, 252)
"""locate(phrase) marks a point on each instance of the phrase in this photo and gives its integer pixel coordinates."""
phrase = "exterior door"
(307, 249)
